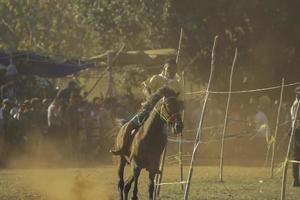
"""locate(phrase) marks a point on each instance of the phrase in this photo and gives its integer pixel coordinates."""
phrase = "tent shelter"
(42, 66)
(32, 64)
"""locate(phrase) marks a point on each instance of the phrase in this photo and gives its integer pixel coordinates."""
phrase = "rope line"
(171, 183)
(232, 136)
(294, 161)
(242, 91)
(241, 122)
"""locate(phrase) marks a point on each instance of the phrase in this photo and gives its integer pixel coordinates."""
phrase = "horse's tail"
(119, 123)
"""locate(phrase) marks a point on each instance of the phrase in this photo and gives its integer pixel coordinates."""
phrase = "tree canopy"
(266, 33)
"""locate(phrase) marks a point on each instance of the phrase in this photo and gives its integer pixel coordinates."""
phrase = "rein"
(167, 119)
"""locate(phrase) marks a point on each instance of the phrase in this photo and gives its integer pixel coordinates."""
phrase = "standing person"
(55, 121)
(66, 93)
(262, 136)
(36, 128)
(73, 122)
(44, 111)
(23, 118)
(261, 123)
(296, 141)
(6, 106)
(6, 118)
(96, 127)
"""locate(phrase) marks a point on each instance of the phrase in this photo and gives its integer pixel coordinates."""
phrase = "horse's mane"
(155, 97)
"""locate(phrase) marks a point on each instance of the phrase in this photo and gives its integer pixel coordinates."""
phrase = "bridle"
(168, 119)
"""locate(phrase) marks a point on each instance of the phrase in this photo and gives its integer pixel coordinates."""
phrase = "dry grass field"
(241, 183)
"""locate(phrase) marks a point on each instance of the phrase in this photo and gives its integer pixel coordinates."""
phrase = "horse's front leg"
(136, 174)
(151, 184)
(122, 163)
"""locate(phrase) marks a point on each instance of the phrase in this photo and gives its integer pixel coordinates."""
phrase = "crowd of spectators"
(67, 122)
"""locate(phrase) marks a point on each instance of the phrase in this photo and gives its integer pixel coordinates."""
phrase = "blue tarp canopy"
(43, 66)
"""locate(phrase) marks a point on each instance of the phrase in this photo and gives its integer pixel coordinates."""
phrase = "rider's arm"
(150, 85)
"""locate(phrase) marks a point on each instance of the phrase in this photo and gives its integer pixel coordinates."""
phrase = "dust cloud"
(69, 184)
(52, 175)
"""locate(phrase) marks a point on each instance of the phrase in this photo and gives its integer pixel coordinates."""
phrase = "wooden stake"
(179, 46)
(276, 129)
(283, 185)
(199, 131)
(180, 134)
(180, 138)
(109, 91)
(226, 117)
(158, 177)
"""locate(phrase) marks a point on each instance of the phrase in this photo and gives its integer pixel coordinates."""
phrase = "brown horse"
(148, 144)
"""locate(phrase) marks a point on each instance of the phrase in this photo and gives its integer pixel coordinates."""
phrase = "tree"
(265, 32)
(50, 26)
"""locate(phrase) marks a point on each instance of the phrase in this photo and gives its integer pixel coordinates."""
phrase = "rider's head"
(170, 68)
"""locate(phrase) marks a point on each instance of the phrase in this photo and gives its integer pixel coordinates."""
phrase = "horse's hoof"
(134, 198)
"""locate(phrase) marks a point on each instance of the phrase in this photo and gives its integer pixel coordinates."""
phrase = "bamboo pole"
(226, 117)
(276, 128)
(109, 91)
(179, 46)
(198, 135)
(180, 138)
(158, 177)
(283, 185)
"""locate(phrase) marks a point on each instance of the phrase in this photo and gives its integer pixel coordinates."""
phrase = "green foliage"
(47, 26)
(138, 24)
(265, 32)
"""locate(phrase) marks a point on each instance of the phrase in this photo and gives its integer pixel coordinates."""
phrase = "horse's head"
(169, 110)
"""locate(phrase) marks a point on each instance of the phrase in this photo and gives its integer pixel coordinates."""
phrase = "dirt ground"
(241, 183)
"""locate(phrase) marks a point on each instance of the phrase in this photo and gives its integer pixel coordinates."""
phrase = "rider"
(154, 89)
(168, 77)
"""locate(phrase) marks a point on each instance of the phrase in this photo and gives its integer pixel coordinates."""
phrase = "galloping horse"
(148, 144)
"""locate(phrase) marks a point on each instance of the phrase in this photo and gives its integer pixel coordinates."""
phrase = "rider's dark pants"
(296, 153)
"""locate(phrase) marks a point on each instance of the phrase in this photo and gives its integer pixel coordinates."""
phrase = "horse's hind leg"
(134, 178)
(136, 174)
(151, 185)
(127, 187)
(122, 163)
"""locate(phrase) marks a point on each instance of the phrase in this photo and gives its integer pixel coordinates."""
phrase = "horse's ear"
(163, 99)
